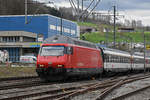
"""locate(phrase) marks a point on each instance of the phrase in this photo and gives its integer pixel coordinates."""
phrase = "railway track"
(15, 82)
(106, 89)
(17, 78)
(69, 92)
(23, 85)
(120, 83)
(37, 94)
(130, 93)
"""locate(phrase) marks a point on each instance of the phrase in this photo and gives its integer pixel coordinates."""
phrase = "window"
(52, 27)
(72, 31)
(58, 28)
(106, 57)
(52, 51)
(66, 30)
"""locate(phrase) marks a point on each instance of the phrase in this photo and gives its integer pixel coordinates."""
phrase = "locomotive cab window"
(52, 51)
(69, 50)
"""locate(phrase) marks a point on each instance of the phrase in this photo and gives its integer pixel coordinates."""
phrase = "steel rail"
(32, 94)
(130, 93)
(50, 92)
(70, 91)
(47, 97)
(98, 86)
(91, 88)
(123, 81)
(17, 78)
(23, 85)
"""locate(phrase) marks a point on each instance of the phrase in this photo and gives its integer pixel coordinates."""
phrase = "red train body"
(58, 60)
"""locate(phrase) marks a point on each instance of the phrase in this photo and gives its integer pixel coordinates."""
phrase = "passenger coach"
(121, 61)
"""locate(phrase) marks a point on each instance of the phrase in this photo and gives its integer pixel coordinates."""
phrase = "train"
(61, 57)
(121, 61)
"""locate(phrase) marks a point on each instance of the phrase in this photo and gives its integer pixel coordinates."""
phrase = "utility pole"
(144, 52)
(114, 26)
(82, 11)
(26, 11)
(82, 5)
(61, 24)
(131, 53)
(106, 36)
(78, 12)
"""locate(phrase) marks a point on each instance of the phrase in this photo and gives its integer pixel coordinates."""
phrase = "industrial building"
(18, 43)
(19, 37)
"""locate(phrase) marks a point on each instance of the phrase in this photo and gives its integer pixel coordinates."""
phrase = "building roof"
(20, 44)
(37, 15)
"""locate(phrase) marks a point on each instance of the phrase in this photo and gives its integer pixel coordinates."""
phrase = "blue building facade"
(47, 25)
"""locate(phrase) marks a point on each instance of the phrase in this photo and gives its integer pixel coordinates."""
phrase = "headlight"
(41, 65)
(60, 65)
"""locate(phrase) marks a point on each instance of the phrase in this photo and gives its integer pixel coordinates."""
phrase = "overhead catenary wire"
(86, 9)
(73, 5)
(83, 12)
(93, 8)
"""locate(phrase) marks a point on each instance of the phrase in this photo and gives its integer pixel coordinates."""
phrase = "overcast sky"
(132, 9)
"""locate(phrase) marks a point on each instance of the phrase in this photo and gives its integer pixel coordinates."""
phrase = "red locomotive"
(60, 57)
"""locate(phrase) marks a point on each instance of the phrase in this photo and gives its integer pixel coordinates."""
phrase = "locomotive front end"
(51, 61)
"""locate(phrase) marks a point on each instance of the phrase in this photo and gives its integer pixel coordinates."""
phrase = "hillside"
(100, 36)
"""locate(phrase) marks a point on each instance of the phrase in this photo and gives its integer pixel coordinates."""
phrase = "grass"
(138, 36)
(6, 72)
(87, 24)
(96, 37)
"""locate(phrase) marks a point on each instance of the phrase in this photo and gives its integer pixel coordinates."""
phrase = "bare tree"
(17, 7)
